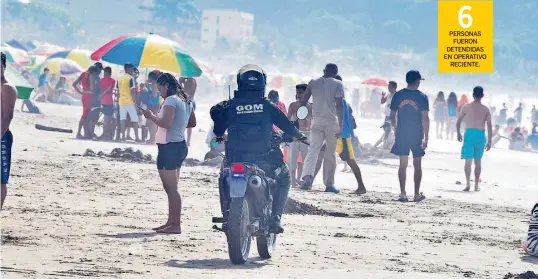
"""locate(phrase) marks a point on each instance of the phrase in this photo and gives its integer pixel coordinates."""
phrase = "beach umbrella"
(59, 66)
(376, 82)
(18, 45)
(35, 60)
(46, 49)
(148, 51)
(24, 89)
(80, 56)
(283, 81)
(15, 55)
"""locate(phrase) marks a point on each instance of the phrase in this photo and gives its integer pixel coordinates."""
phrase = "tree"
(180, 16)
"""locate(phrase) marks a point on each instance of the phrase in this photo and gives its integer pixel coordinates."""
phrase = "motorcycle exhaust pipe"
(255, 181)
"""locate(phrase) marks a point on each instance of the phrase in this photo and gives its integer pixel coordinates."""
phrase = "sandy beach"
(74, 216)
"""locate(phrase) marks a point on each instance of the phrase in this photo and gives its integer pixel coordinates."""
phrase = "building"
(235, 26)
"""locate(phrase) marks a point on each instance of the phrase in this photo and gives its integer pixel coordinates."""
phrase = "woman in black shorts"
(175, 116)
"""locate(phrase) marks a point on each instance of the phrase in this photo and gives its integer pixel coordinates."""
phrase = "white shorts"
(128, 109)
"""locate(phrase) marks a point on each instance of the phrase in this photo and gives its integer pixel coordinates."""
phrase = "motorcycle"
(249, 192)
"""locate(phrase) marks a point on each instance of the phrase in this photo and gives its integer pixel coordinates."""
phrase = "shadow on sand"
(129, 235)
(215, 264)
(529, 259)
(459, 191)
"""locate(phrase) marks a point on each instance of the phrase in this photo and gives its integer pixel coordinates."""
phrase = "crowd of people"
(115, 105)
(165, 102)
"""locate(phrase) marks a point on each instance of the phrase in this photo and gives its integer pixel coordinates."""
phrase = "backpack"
(532, 238)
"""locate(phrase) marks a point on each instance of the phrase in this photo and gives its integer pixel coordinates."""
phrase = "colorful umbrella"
(80, 56)
(24, 89)
(46, 49)
(59, 66)
(375, 82)
(15, 55)
(148, 51)
(35, 60)
(282, 81)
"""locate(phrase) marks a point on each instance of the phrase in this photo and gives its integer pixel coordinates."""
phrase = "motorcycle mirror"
(302, 113)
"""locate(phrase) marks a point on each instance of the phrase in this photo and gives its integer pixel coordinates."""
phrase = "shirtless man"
(476, 117)
(8, 98)
(296, 148)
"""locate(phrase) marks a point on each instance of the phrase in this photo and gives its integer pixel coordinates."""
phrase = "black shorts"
(5, 163)
(171, 155)
(402, 146)
(108, 110)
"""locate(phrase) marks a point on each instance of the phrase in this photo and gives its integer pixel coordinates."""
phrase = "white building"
(235, 26)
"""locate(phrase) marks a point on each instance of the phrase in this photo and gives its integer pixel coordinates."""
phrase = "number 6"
(462, 16)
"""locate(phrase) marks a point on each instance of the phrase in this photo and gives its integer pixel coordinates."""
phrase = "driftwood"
(53, 129)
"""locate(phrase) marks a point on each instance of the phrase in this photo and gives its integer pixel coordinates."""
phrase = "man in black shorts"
(412, 130)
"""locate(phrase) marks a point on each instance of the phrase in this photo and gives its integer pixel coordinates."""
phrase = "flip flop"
(360, 192)
(420, 198)
(403, 198)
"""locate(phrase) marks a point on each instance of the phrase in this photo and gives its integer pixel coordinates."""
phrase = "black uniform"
(249, 119)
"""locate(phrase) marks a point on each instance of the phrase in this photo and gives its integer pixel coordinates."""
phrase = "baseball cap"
(413, 76)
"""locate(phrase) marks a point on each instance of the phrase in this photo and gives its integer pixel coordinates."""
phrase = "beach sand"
(73, 216)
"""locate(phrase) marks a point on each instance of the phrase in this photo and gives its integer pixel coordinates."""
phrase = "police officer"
(249, 119)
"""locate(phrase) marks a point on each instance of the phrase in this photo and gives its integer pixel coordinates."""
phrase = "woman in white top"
(175, 116)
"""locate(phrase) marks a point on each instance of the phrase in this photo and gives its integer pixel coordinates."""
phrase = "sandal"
(419, 198)
(403, 198)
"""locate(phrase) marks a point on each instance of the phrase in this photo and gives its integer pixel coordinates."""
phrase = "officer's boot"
(280, 197)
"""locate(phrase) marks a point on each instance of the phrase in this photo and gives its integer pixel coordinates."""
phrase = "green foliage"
(39, 15)
(175, 11)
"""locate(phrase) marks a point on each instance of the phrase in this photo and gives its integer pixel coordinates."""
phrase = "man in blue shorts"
(412, 130)
(9, 96)
(476, 116)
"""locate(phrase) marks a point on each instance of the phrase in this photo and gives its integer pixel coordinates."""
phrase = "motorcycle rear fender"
(237, 186)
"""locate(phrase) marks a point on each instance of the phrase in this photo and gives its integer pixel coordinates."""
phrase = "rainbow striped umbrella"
(80, 56)
(148, 51)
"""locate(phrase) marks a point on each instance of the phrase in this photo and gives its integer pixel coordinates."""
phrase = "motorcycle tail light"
(238, 168)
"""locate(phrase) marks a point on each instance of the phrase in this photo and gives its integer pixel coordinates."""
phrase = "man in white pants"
(327, 113)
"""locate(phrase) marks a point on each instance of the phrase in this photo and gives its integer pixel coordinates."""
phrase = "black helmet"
(251, 77)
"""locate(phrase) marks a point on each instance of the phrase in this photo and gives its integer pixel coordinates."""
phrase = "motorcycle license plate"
(238, 186)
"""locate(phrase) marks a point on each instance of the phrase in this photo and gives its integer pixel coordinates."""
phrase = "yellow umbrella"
(80, 56)
(59, 66)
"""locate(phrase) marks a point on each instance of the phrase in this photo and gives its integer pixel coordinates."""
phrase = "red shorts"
(87, 100)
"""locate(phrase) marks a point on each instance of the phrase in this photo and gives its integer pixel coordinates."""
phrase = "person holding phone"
(175, 116)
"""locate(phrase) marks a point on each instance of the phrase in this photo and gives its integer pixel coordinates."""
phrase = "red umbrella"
(376, 82)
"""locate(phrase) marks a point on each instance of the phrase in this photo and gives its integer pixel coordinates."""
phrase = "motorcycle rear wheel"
(239, 238)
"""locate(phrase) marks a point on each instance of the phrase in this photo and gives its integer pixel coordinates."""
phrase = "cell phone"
(140, 108)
